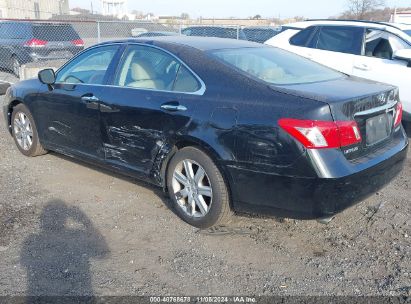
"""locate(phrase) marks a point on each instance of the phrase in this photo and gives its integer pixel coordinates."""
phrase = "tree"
(358, 9)
(138, 14)
(257, 17)
(185, 16)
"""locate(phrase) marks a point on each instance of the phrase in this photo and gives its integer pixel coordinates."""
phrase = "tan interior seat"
(273, 74)
(144, 76)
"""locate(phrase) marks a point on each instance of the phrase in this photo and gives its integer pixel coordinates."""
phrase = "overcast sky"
(237, 8)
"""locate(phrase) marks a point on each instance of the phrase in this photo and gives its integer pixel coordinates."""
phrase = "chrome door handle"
(90, 98)
(170, 107)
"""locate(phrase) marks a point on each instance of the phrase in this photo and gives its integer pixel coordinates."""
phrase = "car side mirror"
(47, 76)
(404, 54)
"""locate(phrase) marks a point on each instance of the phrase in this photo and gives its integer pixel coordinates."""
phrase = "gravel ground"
(67, 228)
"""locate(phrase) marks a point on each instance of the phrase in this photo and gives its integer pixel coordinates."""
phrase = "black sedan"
(222, 125)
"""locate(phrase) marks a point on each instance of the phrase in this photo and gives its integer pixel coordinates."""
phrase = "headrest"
(142, 70)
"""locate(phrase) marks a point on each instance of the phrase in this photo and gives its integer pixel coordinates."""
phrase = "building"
(115, 8)
(33, 9)
(401, 17)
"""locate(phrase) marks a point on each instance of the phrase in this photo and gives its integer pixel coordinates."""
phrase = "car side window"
(185, 81)
(303, 37)
(381, 44)
(150, 68)
(88, 68)
(341, 39)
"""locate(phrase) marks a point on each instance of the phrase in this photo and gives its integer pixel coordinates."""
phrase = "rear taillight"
(34, 43)
(315, 134)
(398, 115)
(78, 42)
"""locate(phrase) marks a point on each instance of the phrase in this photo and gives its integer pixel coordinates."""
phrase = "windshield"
(408, 32)
(276, 66)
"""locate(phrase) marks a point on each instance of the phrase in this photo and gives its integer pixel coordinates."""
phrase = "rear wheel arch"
(202, 146)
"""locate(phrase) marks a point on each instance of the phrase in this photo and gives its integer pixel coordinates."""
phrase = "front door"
(69, 111)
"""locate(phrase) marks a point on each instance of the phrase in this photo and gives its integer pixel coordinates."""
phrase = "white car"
(406, 28)
(372, 50)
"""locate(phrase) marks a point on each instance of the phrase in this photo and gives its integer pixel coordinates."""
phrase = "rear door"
(153, 98)
(336, 46)
(68, 114)
(377, 62)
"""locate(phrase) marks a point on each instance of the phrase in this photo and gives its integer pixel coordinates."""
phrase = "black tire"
(36, 148)
(219, 212)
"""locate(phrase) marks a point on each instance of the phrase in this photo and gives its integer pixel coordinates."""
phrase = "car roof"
(401, 26)
(200, 43)
(307, 23)
(391, 27)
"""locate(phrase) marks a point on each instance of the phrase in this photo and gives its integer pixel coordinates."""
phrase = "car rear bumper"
(39, 57)
(313, 198)
(53, 54)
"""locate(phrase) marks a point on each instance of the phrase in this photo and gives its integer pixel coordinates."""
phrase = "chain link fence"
(26, 45)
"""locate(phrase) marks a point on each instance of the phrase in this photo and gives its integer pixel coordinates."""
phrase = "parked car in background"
(157, 34)
(406, 28)
(23, 42)
(260, 34)
(372, 50)
(223, 125)
(215, 31)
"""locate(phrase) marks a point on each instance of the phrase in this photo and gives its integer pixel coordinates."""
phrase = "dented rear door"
(137, 124)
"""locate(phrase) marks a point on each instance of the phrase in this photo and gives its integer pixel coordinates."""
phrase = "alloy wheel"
(23, 131)
(192, 188)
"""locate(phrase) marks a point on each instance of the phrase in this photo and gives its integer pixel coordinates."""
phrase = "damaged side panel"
(138, 130)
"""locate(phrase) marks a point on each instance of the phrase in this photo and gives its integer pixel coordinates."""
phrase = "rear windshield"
(275, 66)
(55, 32)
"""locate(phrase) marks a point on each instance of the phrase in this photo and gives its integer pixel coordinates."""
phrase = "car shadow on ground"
(239, 221)
(157, 191)
(57, 259)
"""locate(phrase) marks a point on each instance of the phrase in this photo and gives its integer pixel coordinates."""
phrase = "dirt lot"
(68, 228)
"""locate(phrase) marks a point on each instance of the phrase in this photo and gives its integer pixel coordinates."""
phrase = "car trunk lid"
(373, 106)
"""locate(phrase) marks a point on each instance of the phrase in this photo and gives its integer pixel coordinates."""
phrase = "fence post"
(180, 27)
(238, 32)
(98, 32)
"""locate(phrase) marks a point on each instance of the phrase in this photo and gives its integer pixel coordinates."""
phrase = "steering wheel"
(76, 79)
